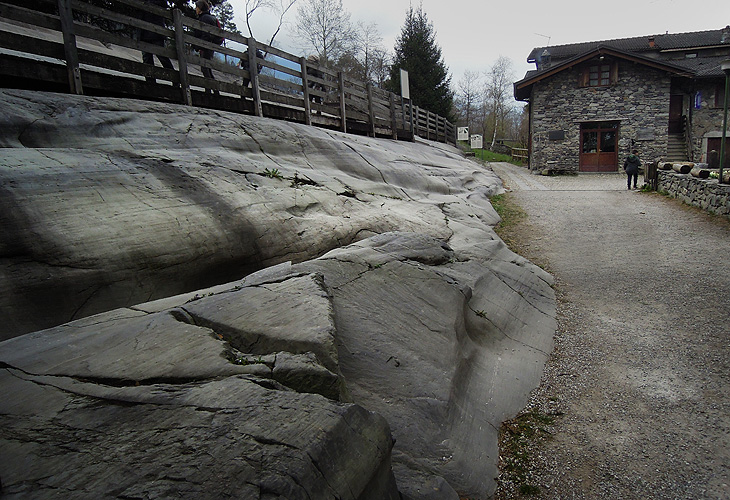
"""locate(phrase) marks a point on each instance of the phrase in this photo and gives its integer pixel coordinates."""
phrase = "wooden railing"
(59, 45)
(519, 154)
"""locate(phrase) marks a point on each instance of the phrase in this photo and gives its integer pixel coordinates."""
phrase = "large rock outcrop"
(107, 203)
(384, 335)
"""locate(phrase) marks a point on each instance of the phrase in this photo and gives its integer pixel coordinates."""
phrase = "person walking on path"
(631, 166)
(154, 38)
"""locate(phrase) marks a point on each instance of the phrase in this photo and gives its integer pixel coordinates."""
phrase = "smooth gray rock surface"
(276, 304)
(445, 347)
(138, 405)
(106, 203)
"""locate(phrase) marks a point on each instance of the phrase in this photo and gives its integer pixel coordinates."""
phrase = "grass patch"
(517, 437)
(514, 228)
(487, 155)
(510, 213)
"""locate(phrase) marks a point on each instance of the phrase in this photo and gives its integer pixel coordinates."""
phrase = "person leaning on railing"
(154, 38)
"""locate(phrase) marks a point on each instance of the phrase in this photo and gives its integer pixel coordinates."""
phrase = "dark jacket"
(207, 18)
(149, 36)
(632, 164)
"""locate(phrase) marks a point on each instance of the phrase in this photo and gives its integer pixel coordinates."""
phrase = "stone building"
(591, 103)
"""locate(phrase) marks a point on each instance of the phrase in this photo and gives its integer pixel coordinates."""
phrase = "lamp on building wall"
(725, 66)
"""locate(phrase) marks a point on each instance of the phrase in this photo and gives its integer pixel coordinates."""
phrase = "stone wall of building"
(639, 102)
(707, 120)
(706, 194)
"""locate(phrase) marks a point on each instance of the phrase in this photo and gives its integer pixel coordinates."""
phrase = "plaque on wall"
(645, 134)
(556, 135)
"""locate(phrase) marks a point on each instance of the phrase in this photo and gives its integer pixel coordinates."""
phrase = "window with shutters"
(600, 74)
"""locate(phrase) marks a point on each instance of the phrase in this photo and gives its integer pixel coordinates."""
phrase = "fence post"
(69, 47)
(403, 115)
(182, 61)
(253, 71)
(341, 78)
(393, 118)
(305, 88)
(371, 109)
(414, 122)
(428, 125)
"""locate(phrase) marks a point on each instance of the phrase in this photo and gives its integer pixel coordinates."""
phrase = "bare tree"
(370, 52)
(468, 96)
(381, 67)
(251, 7)
(280, 9)
(498, 92)
(324, 27)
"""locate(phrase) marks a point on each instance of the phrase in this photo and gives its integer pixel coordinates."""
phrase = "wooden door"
(598, 151)
(676, 124)
(713, 152)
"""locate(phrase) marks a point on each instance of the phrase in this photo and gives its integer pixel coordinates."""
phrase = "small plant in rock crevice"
(273, 173)
(242, 360)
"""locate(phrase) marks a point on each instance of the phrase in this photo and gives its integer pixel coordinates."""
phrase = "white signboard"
(404, 87)
(476, 141)
(462, 134)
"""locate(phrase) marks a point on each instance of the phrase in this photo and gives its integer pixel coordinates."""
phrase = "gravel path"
(636, 395)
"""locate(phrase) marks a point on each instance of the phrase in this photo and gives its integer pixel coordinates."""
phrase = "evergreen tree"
(416, 51)
(224, 12)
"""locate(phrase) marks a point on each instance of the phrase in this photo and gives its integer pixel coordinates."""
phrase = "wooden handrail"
(289, 87)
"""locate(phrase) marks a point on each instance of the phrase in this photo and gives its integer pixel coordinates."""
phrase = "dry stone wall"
(706, 194)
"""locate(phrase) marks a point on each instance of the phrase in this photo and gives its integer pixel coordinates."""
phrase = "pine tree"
(416, 51)
(224, 12)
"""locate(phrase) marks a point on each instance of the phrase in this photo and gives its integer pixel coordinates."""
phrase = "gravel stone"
(637, 388)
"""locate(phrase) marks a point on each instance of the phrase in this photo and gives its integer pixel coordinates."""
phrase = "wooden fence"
(519, 154)
(73, 45)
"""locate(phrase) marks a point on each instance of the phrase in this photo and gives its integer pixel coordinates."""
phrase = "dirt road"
(635, 400)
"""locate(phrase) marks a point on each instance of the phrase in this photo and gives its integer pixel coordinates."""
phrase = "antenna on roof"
(545, 36)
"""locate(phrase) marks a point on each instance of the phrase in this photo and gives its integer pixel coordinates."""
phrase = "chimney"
(651, 42)
(725, 35)
(545, 59)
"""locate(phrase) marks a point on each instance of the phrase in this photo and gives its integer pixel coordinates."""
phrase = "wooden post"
(371, 110)
(305, 88)
(343, 106)
(403, 115)
(254, 73)
(414, 122)
(69, 47)
(393, 118)
(182, 61)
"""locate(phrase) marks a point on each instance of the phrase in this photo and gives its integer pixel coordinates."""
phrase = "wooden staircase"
(677, 148)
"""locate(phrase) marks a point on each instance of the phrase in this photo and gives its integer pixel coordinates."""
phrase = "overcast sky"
(472, 35)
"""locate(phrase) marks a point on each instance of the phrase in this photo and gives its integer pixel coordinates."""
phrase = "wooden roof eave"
(521, 88)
